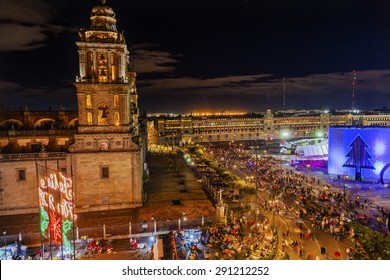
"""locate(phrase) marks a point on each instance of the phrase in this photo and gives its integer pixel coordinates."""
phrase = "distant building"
(177, 130)
(100, 146)
(187, 129)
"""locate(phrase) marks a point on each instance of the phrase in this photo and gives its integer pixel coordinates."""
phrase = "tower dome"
(103, 18)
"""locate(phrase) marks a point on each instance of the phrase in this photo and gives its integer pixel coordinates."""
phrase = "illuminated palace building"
(85, 160)
(168, 130)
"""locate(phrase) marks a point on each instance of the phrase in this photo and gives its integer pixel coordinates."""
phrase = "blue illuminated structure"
(361, 153)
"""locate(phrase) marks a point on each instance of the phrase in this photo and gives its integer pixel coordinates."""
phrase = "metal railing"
(115, 231)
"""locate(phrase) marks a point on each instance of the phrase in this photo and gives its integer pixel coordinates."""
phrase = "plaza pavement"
(172, 180)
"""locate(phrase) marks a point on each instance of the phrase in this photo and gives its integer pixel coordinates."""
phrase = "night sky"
(198, 55)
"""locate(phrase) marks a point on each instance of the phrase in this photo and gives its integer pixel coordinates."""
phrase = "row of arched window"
(380, 124)
(378, 119)
(227, 130)
(254, 129)
(89, 101)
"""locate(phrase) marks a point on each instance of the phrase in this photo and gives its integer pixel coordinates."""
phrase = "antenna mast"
(284, 93)
(353, 88)
(267, 99)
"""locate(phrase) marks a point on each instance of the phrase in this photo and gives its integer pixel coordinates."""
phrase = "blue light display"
(360, 153)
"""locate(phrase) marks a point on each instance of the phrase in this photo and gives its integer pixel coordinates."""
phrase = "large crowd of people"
(327, 207)
(239, 239)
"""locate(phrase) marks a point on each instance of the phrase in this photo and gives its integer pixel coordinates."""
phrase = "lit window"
(116, 101)
(116, 119)
(113, 67)
(89, 102)
(89, 118)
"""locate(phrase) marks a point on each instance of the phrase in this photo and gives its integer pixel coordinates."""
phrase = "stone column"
(109, 66)
(119, 71)
(123, 64)
(94, 73)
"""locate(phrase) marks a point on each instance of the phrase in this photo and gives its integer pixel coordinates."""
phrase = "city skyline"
(206, 56)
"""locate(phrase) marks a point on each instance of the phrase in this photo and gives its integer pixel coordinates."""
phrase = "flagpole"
(40, 209)
(48, 192)
(62, 222)
(73, 211)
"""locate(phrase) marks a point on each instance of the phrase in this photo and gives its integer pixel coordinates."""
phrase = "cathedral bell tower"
(107, 143)
(106, 83)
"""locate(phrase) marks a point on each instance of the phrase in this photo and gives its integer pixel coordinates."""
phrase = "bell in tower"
(103, 115)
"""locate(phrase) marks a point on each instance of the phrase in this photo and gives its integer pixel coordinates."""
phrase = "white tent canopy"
(317, 150)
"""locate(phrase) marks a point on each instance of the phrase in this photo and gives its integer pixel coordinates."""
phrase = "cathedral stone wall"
(120, 188)
(20, 196)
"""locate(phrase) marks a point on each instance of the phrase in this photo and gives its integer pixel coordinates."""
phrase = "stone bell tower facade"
(107, 154)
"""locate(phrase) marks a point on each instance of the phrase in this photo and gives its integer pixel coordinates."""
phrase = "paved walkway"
(173, 190)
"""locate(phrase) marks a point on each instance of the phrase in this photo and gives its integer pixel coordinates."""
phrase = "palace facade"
(168, 130)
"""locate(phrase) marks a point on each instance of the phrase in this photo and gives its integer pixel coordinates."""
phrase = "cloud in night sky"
(189, 83)
(25, 27)
(149, 60)
(40, 98)
(322, 84)
(331, 90)
(5, 85)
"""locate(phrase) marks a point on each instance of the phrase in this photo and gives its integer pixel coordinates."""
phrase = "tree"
(358, 157)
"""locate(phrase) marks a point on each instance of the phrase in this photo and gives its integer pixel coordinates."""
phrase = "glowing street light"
(155, 225)
(320, 134)
(285, 134)
(307, 168)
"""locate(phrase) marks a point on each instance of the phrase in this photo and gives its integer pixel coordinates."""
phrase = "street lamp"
(345, 194)
(307, 167)
(5, 244)
(182, 218)
(101, 233)
(155, 226)
(273, 213)
(256, 184)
